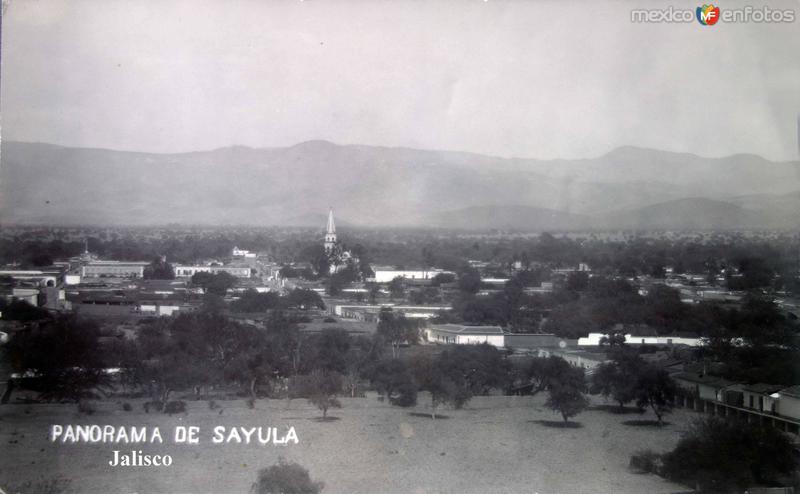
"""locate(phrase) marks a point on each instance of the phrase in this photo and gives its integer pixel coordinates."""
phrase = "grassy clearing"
(495, 444)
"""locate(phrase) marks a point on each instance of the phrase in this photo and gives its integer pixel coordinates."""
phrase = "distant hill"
(692, 214)
(381, 186)
(512, 217)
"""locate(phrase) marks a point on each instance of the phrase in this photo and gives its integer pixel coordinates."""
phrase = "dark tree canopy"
(396, 329)
(63, 355)
(216, 283)
(655, 390)
(566, 392)
(285, 478)
(20, 310)
(394, 379)
(159, 269)
(719, 455)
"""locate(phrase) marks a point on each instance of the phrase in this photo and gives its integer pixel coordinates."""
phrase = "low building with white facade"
(593, 339)
(189, 271)
(116, 269)
(460, 334)
(385, 275)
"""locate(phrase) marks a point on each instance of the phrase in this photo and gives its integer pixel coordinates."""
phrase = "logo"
(708, 15)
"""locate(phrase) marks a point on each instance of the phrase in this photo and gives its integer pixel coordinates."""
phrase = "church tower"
(330, 234)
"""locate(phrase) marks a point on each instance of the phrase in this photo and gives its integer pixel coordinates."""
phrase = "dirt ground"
(496, 444)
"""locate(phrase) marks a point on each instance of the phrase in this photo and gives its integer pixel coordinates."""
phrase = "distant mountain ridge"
(381, 186)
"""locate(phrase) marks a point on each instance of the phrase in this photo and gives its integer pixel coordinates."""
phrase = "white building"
(385, 275)
(237, 252)
(189, 271)
(460, 334)
(117, 269)
(594, 340)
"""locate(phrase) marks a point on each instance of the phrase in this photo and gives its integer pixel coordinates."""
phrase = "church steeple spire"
(331, 225)
(330, 233)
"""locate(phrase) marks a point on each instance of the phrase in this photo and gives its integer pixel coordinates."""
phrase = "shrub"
(212, 405)
(285, 478)
(127, 407)
(177, 406)
(251, 403)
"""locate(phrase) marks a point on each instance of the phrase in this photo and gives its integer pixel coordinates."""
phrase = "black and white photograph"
(399, 246)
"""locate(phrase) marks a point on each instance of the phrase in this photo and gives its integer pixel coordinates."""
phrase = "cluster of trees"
(397, 330)
(20, 310)
(628, 378)
(159, 269)
(451, 377)
(214, 283)
(719, 455)
(60, 358)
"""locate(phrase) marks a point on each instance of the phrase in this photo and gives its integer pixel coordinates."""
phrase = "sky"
(545, 79)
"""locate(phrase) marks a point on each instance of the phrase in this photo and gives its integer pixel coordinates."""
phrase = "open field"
(496, 444)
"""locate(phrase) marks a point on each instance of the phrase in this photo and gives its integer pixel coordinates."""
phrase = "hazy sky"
(508, 78)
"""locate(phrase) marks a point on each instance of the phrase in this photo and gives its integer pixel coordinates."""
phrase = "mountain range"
(628, 188)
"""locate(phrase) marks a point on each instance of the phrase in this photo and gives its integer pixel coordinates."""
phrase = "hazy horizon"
(538, 80)
(355, 144)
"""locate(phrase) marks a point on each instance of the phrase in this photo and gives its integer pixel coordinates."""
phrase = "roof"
(462, 329)
(706, 379)
(793, 391)
(762, 388)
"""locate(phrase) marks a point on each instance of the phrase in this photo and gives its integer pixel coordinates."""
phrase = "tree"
(304, 299)
(64, 355)
(20, 310)
(252, 301)
(397, 329)
(216, 283)
(577, 281)
(393, 378)
(443, 278)
(374, 292)
(566, 393)
(285, 478)
(287, 271)
(443, 383)
(469, 280)
(481, 368)
(619, 379)
(159, 269)
(397, 287)
(718, 455)
(656, 390)
(321, 389)
(542, 371)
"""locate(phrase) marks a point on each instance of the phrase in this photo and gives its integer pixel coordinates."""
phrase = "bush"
(86, 407)
(212, 405)
(285, 478)
(175, 407)
(329, 319)
(251, 403)
(127, 407)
